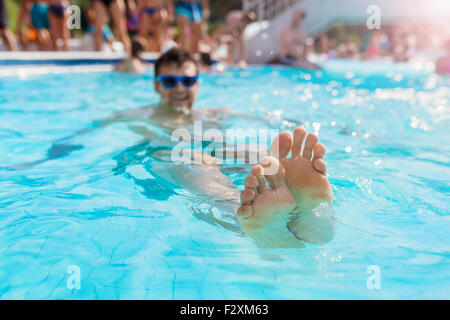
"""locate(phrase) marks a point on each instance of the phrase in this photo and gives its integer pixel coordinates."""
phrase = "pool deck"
(26, 63)
(63, 58)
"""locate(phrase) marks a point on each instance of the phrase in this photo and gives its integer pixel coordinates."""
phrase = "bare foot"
(299, 184)
(305, 169)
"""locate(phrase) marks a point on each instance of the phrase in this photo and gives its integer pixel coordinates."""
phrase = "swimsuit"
(150, 11)
(289, 60)
(3, 21)
(107, 33)
(39, 16)
(57, 9)
(107, 2)
(192, 10)
(133, 22)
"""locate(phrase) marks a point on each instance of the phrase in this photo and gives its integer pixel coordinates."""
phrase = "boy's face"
(180, 97)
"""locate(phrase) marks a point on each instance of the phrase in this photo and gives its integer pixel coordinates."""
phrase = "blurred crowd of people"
(159, 25)
(399, 43)
(46, 22)
(153, 25)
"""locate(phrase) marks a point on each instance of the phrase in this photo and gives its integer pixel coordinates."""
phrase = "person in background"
(293, 49)
(400, 44)
(23, 25)
(117, 11)
(326, 47)
(132, 17)
(154, 17)
(97, 17)
(190, 16)
(233, 34)
(168, 42)
(443, 64)
(134, 63)
(39, 20)
(5, 32)
(58, 23)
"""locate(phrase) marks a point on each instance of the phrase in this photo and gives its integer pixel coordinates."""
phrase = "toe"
(274, 172)
(258, 172)
(247, 196)
(310, 143)
(245, 211)
(299, 137)
(320, 166)
(281, 145)
(319, 151)
(251, 182)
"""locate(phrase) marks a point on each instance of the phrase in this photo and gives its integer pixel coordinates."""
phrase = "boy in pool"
(272, 203)
(286, 200)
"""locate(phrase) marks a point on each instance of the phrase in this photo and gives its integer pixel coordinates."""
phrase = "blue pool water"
(99, 205)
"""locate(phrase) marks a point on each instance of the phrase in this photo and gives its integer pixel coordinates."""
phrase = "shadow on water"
(156, 187)
(143, 154)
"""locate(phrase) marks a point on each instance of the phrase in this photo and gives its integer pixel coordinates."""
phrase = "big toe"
(281, 145)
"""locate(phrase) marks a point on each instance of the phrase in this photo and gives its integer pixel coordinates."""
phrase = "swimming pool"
(99, 208)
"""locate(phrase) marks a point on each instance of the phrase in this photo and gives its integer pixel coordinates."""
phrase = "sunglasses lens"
(169, 82)
(189, 81)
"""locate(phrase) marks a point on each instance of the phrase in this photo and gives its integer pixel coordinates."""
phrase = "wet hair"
(175, 56)
(137, 46)
(205, 59)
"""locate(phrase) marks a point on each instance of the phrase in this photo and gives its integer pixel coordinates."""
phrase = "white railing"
(268, 9)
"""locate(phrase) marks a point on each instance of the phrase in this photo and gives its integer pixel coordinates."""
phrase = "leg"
(117, 9)
(184, 40)
(144, 28)
(43, 38)
(100, 12)
(54, 32)
(158, 25)
(65, 33)
(196, 36)
(230, 58)
(9, 39)
(242, 57)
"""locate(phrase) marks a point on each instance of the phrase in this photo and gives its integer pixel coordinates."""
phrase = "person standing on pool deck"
(293, 50)
(272, 203)
(5, 32)
(39, 20)
(117, 10)
(235, 24)
(23, 24)
(58, 23)
(154, 17)
(191, 14)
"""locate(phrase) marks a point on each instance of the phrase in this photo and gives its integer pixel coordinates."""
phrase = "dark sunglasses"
(170, 82)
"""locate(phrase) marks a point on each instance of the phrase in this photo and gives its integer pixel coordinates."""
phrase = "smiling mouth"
(180, 99)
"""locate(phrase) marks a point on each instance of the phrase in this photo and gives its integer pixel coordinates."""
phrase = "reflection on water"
(102, 196)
